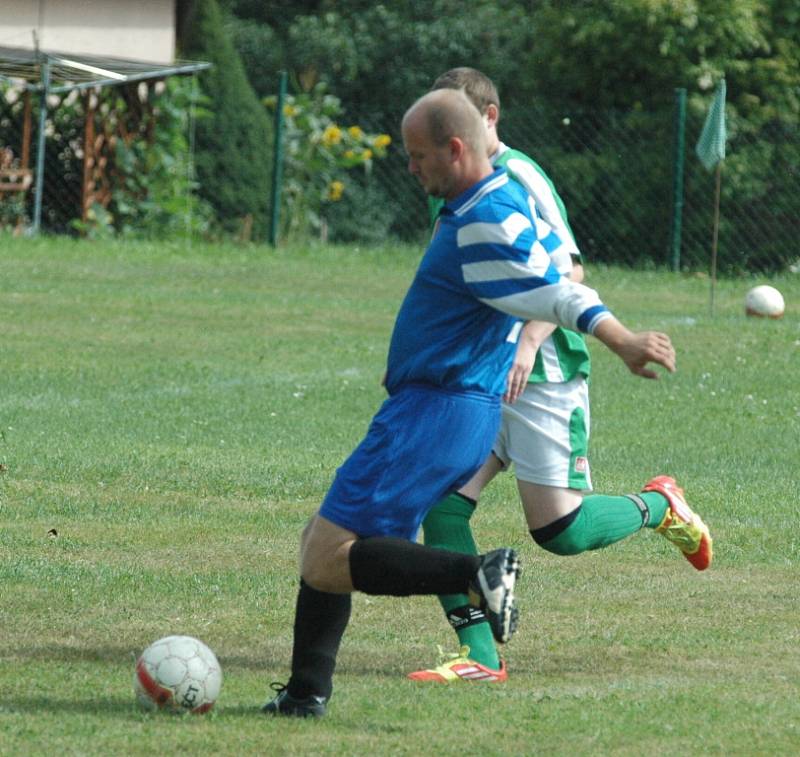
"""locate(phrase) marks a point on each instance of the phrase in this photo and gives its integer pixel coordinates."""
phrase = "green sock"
(447, 526)
(657, 505)
(599, 521)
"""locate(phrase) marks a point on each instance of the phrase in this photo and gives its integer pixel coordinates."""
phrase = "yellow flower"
(382, 140)
(349, 154)
(366, 154)
(335, 191)
(355, 132)
(289, 111)
(332, 135)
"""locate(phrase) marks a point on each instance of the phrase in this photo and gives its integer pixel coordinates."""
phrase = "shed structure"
(39, 80)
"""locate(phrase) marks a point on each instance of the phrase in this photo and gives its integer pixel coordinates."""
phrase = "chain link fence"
(615, 172)
(617, 175)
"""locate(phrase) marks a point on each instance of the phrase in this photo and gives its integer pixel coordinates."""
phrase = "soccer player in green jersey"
(545, 434)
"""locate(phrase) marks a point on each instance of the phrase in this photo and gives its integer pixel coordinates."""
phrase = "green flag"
(711, 145)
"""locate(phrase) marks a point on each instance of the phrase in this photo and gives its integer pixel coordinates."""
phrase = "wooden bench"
(15, 180)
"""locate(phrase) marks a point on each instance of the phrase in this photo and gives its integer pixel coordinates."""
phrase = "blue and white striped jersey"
(491, 261)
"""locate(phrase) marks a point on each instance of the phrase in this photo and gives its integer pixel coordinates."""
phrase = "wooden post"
(25, 158)
(87, 188)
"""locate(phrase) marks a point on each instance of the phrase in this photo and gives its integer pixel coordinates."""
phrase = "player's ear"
(457, 148)
(491, 115)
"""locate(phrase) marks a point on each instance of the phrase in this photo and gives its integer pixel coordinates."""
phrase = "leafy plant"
(150, 170)
(318, 153)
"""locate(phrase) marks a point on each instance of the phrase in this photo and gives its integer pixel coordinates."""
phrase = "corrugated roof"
(66, 71)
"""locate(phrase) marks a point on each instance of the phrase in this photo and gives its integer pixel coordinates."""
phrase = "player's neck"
(475, 173)
(492, 142)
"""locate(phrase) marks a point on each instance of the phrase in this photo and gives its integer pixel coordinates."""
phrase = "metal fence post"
(37, 201)
(678, 154)
(277, 162)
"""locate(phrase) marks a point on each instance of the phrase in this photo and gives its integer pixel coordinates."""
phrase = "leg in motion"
(680, 524)
(335, 562)
(447, 526)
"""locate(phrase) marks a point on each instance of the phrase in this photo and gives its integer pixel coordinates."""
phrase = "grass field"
(173, 416)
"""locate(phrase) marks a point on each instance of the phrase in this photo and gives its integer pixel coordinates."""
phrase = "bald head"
(447, 113)
(445, 138)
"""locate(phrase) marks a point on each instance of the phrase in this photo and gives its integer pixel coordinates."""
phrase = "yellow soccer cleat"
(681, 525)
(460, 668)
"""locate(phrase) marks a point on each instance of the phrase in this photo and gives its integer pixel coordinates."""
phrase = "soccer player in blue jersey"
(489, 264)
(544, 433)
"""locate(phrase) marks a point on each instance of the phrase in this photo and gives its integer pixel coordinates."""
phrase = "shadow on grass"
(72, 653)
(43, 704)
(114, 708)
(263, 659)
(115, 654)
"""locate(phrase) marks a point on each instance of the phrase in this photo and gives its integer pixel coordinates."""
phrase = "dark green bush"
(234, 144)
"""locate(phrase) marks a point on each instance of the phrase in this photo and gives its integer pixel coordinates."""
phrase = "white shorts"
(545, 433)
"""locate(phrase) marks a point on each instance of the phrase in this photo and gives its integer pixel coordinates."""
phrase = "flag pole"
(715, 236)
(711, 151)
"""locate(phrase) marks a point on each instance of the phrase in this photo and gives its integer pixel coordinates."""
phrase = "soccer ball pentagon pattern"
(179, 674)
(764, 301)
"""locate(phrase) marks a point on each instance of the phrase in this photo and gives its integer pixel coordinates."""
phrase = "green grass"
(176, 415)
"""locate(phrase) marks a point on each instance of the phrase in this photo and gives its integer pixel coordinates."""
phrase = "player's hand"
(522, 366)
(531, 337)
(645, 347)
(518, 376)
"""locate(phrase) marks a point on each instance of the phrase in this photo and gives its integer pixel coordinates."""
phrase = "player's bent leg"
(565, 523)
(544, 505)
(680, 524)
(321, 616)
(446, 526)
(325, 563)
(490, 468)
(460, 667)
(319, 624)
(304, 540)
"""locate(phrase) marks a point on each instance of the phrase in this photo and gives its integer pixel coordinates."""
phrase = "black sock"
(400, 568)
(319, 624)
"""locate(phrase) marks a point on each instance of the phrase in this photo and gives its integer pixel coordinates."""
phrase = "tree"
(587, 87)
(234, 143)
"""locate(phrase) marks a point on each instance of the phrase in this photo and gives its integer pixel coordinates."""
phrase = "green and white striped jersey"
(564, 355)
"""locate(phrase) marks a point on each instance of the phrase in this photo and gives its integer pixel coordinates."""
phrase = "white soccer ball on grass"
(178, 674)
(764, 301)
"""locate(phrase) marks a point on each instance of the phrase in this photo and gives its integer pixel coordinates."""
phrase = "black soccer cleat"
(285, 704)
(492, 590)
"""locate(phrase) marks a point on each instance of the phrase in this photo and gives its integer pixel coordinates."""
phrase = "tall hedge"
(233, 142)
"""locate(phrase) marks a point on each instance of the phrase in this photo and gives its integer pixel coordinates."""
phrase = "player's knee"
(560, 545)
(326, 570)
(563, 536)
(314, 575)
(318, 577)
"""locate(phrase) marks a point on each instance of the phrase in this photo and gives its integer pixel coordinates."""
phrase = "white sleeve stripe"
(596, 320)
(536, 185)
(504, 233)
(497, 270)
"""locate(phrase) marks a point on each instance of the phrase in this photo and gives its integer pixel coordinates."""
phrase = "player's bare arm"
(637, 349)
(531, 338)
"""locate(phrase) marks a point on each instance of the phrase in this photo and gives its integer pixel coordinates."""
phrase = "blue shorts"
(422, 444)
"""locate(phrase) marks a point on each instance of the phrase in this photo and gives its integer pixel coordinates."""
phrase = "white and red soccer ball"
(764, 301)
(179, 674)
